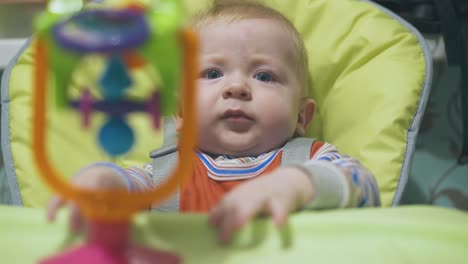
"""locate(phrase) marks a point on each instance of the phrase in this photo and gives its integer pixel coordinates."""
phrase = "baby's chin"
(235, 148)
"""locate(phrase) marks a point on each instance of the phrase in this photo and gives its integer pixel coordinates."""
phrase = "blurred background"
(440, 171)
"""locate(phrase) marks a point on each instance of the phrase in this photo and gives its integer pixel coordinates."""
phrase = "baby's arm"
(102, 176)
(328, 180)
(339, 180)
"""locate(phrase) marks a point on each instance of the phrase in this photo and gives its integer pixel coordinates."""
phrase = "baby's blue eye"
(264, 77)
(212, 74)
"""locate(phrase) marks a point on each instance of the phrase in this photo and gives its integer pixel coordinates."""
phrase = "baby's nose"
(239, 91)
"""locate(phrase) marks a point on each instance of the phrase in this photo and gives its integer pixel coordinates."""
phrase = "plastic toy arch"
(119, 204)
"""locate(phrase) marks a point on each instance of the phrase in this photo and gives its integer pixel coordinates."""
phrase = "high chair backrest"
(370, 72)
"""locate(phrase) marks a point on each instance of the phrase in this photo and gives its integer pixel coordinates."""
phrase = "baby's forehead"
(249, 37)
(250, 21)
(260, 32)
(294, 49)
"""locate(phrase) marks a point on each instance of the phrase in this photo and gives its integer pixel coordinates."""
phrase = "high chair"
(370, 75)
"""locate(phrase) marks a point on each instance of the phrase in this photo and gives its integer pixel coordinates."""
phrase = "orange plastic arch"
(116, 205)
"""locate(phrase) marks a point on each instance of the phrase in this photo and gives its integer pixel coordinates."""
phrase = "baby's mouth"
(236, 115)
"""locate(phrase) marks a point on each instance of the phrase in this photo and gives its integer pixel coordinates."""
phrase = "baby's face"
(249, 91)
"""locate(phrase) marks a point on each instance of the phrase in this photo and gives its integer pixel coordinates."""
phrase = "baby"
(253, 103)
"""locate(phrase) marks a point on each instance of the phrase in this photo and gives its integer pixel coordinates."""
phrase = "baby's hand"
(95, 177)
(276, 194)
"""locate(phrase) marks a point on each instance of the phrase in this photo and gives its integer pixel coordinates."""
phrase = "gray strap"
(169, 132)
(297, 150)
(164, 161)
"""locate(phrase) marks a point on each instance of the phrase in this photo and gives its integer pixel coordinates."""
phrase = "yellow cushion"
(367, 72)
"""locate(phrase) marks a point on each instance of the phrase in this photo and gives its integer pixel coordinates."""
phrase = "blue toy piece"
(116, 137)
(115, 79)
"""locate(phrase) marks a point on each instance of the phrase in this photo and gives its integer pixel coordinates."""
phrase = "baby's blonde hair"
(236, 10)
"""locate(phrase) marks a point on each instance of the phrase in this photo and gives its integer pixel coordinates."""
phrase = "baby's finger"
(53, 207)
(278, 211)
(227, 223)
(237, 216)
(216, 215)
(76, 219)
(225, 207)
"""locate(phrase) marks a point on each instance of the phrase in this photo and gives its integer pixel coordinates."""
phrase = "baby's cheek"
(280, 120)
(203, 111)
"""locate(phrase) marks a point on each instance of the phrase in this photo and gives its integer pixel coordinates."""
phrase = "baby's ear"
(305, 116)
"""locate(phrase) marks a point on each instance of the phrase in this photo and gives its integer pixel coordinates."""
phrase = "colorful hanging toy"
(126, 36)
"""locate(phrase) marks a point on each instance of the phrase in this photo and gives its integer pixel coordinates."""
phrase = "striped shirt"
(339, 180)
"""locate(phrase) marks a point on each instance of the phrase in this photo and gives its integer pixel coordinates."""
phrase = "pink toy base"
(110, 243)
(93, 253)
